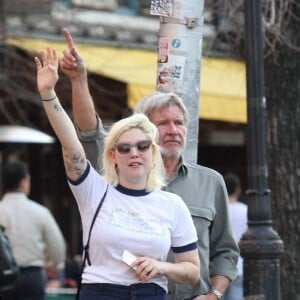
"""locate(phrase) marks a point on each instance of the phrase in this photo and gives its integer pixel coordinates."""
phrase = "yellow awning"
(222, 86)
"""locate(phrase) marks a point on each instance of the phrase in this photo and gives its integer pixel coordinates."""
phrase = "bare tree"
(277, 17)
(283, 110)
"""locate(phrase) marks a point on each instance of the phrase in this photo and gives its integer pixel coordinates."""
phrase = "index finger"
(68, 38)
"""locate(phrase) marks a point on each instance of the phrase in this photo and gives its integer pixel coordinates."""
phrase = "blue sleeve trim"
(82, 177)
(185, 248)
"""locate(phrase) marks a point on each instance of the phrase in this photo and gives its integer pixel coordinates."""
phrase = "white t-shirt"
(239, 219)
(146, 224)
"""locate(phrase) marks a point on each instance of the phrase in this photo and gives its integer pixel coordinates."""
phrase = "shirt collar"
(131, 192)
(181, 170)
(14, 196)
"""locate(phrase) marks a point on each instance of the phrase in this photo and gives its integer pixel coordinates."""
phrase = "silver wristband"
(218, 294)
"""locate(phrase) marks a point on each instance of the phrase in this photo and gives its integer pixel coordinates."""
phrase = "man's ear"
(239, 191)
(22, 182)
(24, 185)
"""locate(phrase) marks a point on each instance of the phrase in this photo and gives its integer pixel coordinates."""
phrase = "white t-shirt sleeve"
(88, 190)
(184, 237)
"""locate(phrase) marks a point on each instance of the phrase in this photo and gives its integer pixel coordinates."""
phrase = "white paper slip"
(128, 258)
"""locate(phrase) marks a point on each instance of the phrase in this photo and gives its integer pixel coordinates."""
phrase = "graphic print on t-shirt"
(134, 222)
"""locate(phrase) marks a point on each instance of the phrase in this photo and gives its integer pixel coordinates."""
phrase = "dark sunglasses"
(124, 148)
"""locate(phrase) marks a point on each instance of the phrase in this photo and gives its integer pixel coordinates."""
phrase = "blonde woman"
(136, 216)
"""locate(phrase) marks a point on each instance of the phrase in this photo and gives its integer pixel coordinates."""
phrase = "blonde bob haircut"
(156, 176)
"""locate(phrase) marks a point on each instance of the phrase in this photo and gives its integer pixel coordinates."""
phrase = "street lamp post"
(2, 23)
(2, 38)
(261, 247)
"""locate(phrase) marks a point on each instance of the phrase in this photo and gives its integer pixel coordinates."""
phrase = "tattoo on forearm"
(57, 107)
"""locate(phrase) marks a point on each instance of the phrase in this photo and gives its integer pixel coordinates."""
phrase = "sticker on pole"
(171, 73)
(163, 50)
(162, 8)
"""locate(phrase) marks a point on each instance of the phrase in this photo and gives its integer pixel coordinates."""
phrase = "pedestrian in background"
(32, 232)
(239, 219)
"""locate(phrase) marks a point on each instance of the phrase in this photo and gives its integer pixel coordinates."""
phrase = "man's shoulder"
(202, 170)
(24, 202)
(241, 206)
(37, 207)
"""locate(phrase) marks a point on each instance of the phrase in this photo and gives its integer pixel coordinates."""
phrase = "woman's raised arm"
(47, 77)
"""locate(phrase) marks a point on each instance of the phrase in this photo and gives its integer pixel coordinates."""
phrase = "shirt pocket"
(203, 218)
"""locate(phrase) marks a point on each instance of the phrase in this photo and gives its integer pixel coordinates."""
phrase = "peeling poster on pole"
(171, 73)
(162, 8)
(163, 50)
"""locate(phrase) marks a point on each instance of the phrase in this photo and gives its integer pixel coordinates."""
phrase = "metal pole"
(260, 246)
(2, 23)
(2, 39)
(179, 55)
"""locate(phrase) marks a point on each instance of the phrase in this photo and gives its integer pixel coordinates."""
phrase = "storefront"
(222, 87)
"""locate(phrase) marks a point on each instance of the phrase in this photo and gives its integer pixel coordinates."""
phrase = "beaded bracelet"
(49, 99)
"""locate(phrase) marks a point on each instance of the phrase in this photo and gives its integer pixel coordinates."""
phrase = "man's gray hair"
(159, 100)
